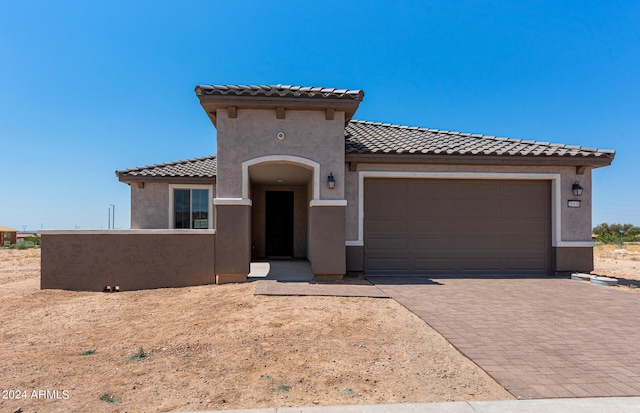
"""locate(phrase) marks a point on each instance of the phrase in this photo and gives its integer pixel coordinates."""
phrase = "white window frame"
(172, 217)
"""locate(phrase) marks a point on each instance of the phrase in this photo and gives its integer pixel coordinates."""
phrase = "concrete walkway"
(538, 337)
(592, 405)
(294, 277)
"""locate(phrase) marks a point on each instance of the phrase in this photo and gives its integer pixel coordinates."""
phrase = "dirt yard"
(221, 347)
(621, 263)
(215, 347)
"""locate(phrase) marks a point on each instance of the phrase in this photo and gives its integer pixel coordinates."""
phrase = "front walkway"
(294, 277)
(538, 337)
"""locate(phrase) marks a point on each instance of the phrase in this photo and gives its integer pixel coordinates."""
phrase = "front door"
(279, 224)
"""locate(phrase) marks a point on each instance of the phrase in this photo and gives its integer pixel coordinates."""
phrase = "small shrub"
(108, 398)
(633, 286)
(139, 355)
(348, 391)
(88, 352)
(281, 387)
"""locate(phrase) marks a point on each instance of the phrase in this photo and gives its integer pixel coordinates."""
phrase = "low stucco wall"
(131, 259)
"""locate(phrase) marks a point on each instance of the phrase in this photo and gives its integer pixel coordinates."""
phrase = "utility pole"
(113, 217)
(109, 218)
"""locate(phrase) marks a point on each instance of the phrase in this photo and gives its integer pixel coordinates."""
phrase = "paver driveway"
(538, 337)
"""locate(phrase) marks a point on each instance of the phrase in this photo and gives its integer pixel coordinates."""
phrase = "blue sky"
(90, 87)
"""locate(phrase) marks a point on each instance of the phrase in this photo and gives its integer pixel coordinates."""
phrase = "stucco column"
(233, 239)
(328, 256)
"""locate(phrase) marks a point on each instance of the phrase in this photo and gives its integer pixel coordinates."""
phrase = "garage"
(475, 226)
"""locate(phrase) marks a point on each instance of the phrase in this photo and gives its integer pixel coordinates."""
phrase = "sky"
(90, 87)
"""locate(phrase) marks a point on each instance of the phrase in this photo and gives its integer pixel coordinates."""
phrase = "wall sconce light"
(331, 181)
(577, 189)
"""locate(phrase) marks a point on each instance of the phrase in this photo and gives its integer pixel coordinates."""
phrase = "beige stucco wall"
(150, 205)
(254, 134)
(575, 222)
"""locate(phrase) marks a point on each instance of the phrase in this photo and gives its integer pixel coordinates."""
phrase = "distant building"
(7, 236)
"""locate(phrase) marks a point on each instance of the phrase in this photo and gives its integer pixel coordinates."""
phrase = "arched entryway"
(281, 188)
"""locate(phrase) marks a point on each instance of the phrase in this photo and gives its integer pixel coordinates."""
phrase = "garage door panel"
(387, 189)
(480, 244)
(525, 209)
(475, 227)
(426, 207)
(438, 245)
(465, 226)
(480, 190)
(387, 264)
(529, 244)
(432, 190)
(431, 265)
(387, 225)
(480, 264)
(399, 244)
(479, 208)
(527, 190)
(385, 207)
(524, 227)
(433, 226)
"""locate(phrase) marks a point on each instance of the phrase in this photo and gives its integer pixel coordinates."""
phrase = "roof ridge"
(281, 90)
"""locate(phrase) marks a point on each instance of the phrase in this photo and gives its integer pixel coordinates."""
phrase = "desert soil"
(622, 263)
(221, 347)
(216, 347)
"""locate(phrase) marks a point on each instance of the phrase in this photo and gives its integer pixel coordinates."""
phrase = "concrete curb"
(581, 405)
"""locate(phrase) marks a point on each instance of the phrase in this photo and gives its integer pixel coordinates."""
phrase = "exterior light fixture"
(331, 181)
(577, 189)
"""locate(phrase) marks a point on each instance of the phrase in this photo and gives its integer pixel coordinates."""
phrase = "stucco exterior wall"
(575, 222)
(150, 206)
(131, 259)
(253, 133)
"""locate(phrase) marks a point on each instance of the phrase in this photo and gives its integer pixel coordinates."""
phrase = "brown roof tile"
(376, 137)
(385, 138)
(279, 91)
(205, 167)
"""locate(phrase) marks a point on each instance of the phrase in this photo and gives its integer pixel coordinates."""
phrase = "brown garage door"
(457, 226)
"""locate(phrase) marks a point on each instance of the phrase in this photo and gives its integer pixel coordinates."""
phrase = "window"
(191, 208)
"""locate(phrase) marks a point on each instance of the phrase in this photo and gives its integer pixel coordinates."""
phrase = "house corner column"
(328, 250)
(573, 259)
(233, 235)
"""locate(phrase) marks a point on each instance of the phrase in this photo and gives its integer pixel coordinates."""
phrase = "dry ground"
(221, 347)
(216, 347)
(622, 263)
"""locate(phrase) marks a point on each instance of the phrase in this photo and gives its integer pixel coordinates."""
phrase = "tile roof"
(280, 91)
(205, 167)
(385, 138)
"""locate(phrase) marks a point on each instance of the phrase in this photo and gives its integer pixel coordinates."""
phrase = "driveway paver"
(538, 337)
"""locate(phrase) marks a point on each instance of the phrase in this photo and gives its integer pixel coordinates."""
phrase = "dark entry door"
(279, 224)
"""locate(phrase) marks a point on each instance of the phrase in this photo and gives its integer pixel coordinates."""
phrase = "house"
(403, 199)
(7, 236)
(296, 177)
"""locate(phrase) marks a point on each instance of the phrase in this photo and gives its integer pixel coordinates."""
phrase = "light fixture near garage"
(280, 136)
(577, 189)
(331, 181)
